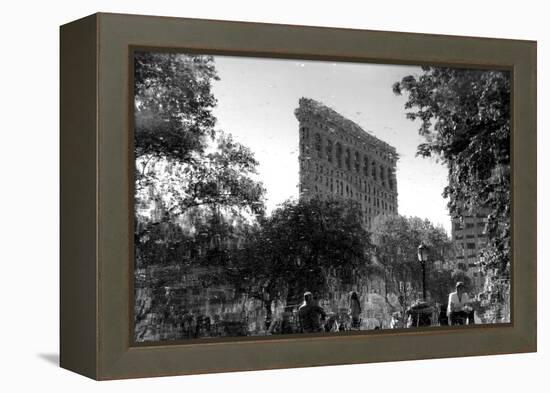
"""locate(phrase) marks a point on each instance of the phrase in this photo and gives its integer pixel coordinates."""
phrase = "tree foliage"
(222, 178)
(173, 104)
(188, 173)
(300, 244)
(464, 116)
(396, 239)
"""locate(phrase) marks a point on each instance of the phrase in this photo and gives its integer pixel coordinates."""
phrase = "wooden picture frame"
(96, 198)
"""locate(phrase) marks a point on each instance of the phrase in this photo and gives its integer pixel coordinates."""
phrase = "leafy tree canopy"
(464, 115)
(295, 248)
(187, 172)
(397, 238)
(223, 178)
(173, 104)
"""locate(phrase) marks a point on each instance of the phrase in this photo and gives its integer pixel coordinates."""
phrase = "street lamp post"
(423, 258)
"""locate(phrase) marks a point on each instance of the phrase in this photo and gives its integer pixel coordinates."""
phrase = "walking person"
(169, 304)
(167, 327)
(355, 310)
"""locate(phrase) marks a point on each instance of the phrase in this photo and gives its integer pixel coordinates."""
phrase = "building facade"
(338, 159)
(469, 238)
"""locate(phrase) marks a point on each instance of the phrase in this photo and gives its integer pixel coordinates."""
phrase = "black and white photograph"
(275, 197)
(279, 197)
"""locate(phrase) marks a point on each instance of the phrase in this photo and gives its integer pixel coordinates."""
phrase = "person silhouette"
(310, 314)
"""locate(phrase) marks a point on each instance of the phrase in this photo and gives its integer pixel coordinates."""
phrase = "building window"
(357, 162)
(329, 150)
(339, 155)
(469, 225)
(471, 246)
(348, 159)
(318, 145)
(365, 166)
(374, 172)
(382, 176)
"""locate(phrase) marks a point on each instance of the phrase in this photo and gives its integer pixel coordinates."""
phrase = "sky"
(256, 102)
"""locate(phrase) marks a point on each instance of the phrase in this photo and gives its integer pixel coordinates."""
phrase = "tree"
(396, 239)
(195, 186)
(299, 246)
(173, 104)
(186, 170)
(223, 178)
(464, 116)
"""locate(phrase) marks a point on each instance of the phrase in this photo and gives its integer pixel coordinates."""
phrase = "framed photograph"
(242, 196)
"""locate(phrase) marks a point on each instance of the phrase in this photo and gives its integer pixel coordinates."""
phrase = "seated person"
(458, 308)
(419, 314)
(310, 315)
(396, 322)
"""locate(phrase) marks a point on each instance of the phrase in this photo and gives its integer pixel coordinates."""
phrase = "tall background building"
(338, 159)
(469, 238)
